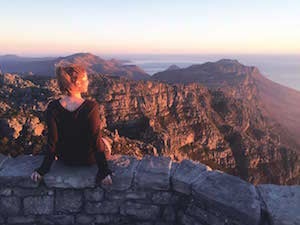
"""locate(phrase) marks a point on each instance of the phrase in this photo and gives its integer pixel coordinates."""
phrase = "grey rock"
(38, 205)
(16, 171)
(137, 195)
(161, 197)
(56, 220)
(185, 175)
(144, 223)
(114, 195)
(2, 220)
(282, 203)
(123, 167)
(228, 195)
(23, 192)
(21, 219)
(10, 205)
(84, 219)
(95, 194)
(153, 173)
(140, 211)
(174, 166)
(5, 191)
(188, 220)
(113, 219)
(68, 201)
(104, 219)
(162, 223)
(169, 214)
(102, 207)
(205, 216)
(65, 176)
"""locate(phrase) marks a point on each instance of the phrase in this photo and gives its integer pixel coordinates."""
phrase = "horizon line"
(149, 53)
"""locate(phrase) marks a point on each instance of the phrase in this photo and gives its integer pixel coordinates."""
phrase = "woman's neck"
(74, 96)
(70, 99)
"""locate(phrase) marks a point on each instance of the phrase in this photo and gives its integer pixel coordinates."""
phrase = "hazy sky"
(31, 27)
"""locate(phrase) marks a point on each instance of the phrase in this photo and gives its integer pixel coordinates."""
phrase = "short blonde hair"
(67, 75)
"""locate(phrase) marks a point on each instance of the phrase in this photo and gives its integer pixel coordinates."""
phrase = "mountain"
(279, 103)
(92, 63)
(226, 128)
(173, 67)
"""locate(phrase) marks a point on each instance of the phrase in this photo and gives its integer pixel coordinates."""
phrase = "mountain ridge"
(92, 63)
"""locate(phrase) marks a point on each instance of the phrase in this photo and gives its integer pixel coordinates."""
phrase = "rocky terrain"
(227, 128)
(277, 102)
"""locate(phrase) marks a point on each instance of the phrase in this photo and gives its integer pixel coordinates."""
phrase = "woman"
(74, 133)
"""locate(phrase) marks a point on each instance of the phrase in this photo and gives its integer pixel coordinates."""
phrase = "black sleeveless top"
(74, 136)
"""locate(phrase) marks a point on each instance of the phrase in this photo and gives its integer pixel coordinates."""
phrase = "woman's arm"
(97, 144)
(51, 143)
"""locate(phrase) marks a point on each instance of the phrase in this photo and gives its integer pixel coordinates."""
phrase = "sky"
(56, 27)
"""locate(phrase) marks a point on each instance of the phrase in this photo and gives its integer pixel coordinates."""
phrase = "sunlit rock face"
(216, 127)
(227, 128)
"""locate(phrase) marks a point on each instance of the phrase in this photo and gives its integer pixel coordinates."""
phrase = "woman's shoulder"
(88, 105)
(52, 104)
(91, 103)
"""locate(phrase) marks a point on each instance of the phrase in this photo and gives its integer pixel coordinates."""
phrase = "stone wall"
(153, 190)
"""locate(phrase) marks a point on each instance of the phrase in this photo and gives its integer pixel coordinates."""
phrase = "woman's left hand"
(107, 180)
(35, 176)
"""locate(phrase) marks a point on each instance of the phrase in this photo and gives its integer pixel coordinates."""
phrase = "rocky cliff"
(226, 128)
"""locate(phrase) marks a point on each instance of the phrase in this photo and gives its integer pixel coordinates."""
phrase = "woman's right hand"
(35, 176)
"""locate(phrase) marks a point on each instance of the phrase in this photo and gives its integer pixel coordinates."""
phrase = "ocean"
(283, 69)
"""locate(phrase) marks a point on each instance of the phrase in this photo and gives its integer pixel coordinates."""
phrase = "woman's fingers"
(107, 180)
(35, 176)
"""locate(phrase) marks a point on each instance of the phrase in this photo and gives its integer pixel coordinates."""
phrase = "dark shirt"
(75, 137)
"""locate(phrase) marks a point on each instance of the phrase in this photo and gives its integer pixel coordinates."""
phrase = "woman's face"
(82, 83)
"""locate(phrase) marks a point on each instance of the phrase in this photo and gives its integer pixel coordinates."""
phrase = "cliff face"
(226, 128)
(219, 128)
(279, 104)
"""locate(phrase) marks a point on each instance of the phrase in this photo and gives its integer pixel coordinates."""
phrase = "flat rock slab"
(283, 203)
(123, 167)
(65, 176)
(153, 172)
(228, 195)
(186, 172)
(16, 171)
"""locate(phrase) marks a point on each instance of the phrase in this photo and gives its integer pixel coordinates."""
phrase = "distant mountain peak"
(228, 61)
(83, 56)
(92, 63)
(173, 67)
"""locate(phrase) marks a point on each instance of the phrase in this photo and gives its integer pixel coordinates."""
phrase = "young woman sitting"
(74, 132)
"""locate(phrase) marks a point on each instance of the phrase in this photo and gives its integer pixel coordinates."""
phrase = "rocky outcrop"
(153, 190)
(218, 128)
(183, 121)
